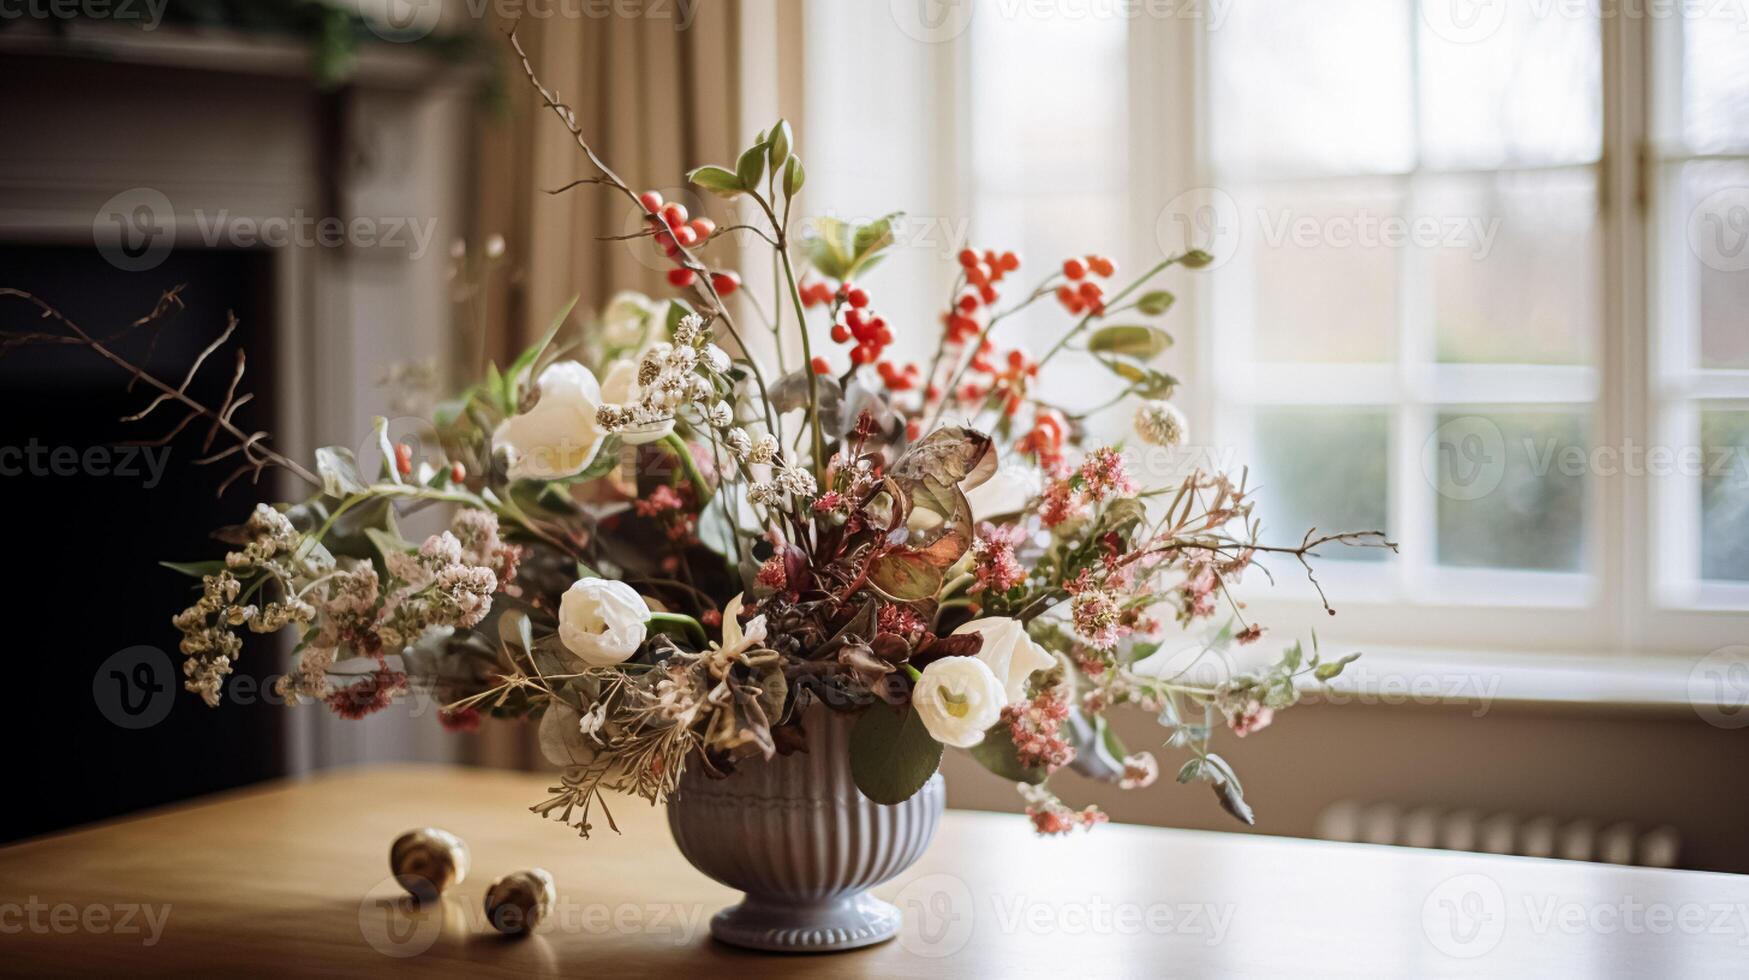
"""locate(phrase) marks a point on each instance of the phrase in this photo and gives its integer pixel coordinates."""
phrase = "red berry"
(1074, 268)
(1101, 265)
(840, 333)
(686, 236)
(857, 298)
(681, 278)
(1017, 359)
(988, 295)
(457, 472)
(968, 258)
(821, 366)
(1091, 292)
(977, 277)
(674, 214)
(1066, 295)
(702, 227)
(651, 200)
(968, 302)
(725, 282)
(404, 458)
(862, 354)
(1010, 262)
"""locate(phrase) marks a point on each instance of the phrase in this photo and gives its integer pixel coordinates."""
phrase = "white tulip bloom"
(559, 436)
(602, 621)
(1009, 653)
(958, 699)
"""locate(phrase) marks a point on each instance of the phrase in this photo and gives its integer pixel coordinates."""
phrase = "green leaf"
(678, 625)
(1191, 769)
(526, 360)
(196, 568)
(1145, 381)
(891, 754)
(720, 181)
(1133, 340)
(777, 152)
(1196, 258)
(751, 166)
(1328, 671)
(997, 754)
(839, 250)
(386, 542)
(905, 576)
(338, 469)
(678, 310)
(391, 471)
(1156, 302)
(793, 177)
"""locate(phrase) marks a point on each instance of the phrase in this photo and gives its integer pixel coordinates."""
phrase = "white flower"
(736, 638)
(1010, 654)
(720, 415)
(592, 720)
(1007, 491)
(764, 449)
(1161, 423)
(620, 387)
(958, 699)
(602, 621)
(558, 437)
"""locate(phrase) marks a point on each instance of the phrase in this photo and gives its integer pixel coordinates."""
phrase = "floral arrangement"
(666, 551)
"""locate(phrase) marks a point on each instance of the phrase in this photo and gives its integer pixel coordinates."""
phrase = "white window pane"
(1319, 88)
(1715, 80)
(1517, 271)
(1323, 468)
(1715, 209)
(1724, 495)
(1520, 86)
(1322, 284)
(1511, 488)
(1049, 103)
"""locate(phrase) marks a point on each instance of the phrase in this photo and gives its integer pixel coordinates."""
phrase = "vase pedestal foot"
(844, 923)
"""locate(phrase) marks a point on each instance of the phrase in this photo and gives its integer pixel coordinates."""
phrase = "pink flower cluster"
(994, 564)
(1101, 476)
(1033, 727)
(1097, 613)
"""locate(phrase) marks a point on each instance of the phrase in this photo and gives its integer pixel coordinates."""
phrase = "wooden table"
(291, 878)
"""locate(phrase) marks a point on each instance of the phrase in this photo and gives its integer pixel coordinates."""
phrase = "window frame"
(1627, 603)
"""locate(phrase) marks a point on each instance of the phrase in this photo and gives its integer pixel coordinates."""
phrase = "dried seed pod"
(517, 902)
(428, 861)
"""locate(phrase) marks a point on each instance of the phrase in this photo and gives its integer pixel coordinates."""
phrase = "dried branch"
(255, 455)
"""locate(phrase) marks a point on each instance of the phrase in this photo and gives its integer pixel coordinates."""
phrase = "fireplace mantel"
(232, 131)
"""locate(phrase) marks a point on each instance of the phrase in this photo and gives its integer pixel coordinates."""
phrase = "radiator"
(1500, 833)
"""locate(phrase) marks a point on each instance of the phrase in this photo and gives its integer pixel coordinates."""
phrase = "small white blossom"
(765, 450)
(1161, 424)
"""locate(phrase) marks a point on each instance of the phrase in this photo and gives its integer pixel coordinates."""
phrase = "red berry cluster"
(673, 231)
(857, 324)
(815, 294)
(1007, 381)
(1081, 294)
(982, 273)
(1045, 438)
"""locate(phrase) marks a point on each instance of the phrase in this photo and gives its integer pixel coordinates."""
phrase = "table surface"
(292, 878)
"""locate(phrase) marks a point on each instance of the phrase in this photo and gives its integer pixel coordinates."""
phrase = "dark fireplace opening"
(98, 721)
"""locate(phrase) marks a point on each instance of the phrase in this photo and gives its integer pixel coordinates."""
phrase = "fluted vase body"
(802, 842)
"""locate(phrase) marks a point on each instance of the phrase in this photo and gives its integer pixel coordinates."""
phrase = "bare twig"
(252, 447)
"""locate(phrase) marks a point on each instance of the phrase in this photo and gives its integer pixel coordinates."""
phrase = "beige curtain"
(655, 94)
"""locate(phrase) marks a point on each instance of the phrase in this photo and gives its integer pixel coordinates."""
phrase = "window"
(1482, 281)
